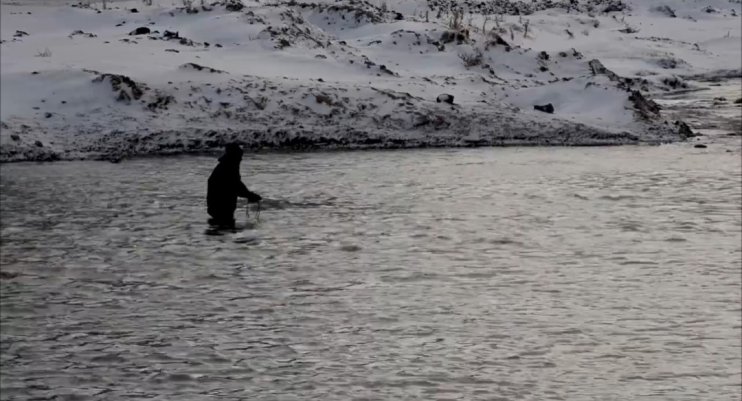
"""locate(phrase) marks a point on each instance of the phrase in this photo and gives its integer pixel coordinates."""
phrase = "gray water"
(491, 274)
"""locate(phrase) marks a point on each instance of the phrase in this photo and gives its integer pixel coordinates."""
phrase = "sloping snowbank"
(79, 82)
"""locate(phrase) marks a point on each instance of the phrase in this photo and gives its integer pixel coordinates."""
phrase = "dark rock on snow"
(546, 108)
(142, 30)
(197, 67)
(646, 108)
(684, 130)
(666, 10)
(234, 5)
(445, 98)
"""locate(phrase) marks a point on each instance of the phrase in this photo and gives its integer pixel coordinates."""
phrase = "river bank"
(132, 79)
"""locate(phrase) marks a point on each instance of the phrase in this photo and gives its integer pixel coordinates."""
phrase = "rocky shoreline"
(315, 76)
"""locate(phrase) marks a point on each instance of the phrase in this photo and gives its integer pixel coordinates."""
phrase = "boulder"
(142, 30)
(646, 108)
(546, 108)
(234, 5)
(444, 98)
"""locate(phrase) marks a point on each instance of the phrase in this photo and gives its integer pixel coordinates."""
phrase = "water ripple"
(466, 274)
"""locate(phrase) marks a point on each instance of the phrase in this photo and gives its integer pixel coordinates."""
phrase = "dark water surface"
(492, 274)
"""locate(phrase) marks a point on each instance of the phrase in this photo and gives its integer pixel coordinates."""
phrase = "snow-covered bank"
(80, 82)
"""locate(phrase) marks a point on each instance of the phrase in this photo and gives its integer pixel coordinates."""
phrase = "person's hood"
(226, 158)
(232, 153)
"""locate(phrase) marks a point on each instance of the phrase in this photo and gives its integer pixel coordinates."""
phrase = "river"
(472, 274)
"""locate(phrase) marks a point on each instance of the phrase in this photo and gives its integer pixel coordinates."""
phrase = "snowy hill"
(80, 81)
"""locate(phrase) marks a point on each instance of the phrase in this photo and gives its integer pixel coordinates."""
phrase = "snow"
(305, 74)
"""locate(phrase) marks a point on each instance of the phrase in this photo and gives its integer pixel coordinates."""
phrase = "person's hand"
(254, 198)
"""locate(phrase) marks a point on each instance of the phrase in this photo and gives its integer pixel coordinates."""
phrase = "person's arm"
(243, 192)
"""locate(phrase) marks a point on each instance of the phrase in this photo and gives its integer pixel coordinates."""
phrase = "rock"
(19, 34)
(234, 5)
(543, 56)
(700, 146)
(546, 108)
(323, 99)
(398, 16)
(674, 82)
(684, 130)
(628, 29)
(598, 68)
(142, 30)
(283, 43)
(79, 32)
(170, 35)
(15, 137)
(646, 108)
(38, 144)
(194, 66)
(47, 115)
(738, 101)
(133, 10)
(384, 69)
(161, 102)
(669, 63)
(444, 98)
(666, 10)
(460, 36)
(615, 7)
(127, 88)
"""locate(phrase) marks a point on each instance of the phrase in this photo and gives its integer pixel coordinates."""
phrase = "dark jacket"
(225, 185)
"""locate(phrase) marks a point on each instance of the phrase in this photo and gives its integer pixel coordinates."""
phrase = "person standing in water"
(225, 185)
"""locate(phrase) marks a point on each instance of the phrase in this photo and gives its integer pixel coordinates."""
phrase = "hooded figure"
(225, 185)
